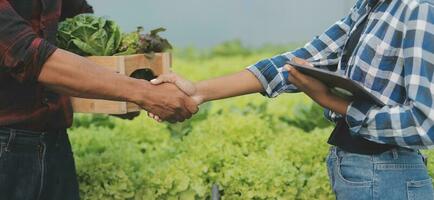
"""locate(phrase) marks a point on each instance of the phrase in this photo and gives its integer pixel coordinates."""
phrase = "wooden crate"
(159, 63)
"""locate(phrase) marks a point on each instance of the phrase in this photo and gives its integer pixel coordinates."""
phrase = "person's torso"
(377, 62)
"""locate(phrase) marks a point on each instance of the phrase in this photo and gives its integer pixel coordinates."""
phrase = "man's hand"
(184, 85)
(315, 89)
(167, 102)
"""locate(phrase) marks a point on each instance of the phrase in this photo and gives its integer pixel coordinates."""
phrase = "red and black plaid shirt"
(27, 38)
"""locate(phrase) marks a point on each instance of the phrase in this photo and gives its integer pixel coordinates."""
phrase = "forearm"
(73, 75)
(237, 84)
(334, 103)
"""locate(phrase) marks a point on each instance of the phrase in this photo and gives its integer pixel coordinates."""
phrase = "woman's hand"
(315, 89)
(188, 87)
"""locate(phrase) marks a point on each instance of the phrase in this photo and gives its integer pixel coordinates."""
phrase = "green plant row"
(141, 160)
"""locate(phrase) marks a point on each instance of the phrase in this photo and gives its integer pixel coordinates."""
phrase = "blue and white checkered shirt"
(394, 60)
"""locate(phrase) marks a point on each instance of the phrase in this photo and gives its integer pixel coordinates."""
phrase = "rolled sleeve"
(271, 74)
(29, 66)
(22, 53)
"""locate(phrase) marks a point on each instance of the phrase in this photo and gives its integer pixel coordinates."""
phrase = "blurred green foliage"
(95, 120)
(140, 159)
(307, 117)
(232, 48)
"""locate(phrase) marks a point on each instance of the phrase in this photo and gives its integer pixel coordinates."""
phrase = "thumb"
(164, 78)
(301, 61)
(156, 81)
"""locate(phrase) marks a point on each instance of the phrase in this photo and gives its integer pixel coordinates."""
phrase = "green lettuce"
(140, 43)
(88, 35)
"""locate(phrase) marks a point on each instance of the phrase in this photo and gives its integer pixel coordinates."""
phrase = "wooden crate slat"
(98, 106)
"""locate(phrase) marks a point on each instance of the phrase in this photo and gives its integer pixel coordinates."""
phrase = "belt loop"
(331, 150)
(395, 153)
(335, 152)
(12, 135)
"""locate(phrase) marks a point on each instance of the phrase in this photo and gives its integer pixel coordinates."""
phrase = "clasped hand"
(186, 86)
(166, 100)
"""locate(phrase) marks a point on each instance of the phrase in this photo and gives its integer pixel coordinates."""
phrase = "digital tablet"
(340, 85)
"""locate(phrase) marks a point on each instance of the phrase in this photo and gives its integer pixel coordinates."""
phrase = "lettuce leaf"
(140, 43)
(88, 35)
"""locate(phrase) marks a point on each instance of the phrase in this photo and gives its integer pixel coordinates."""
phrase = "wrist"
(198, 99)
(336, 103)
(327, 99)
(200, 96)
(138, 92)
(324, 99)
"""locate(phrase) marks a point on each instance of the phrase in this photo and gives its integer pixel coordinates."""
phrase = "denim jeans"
(396, 174)
(36, 166)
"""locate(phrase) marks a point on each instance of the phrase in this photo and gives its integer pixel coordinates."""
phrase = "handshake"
(174, 99)
(171, 98)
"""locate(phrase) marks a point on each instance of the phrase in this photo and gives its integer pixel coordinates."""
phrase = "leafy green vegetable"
(140, 159)
(137, 42)
(88, 35)
(152, 42)
(130, 43)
